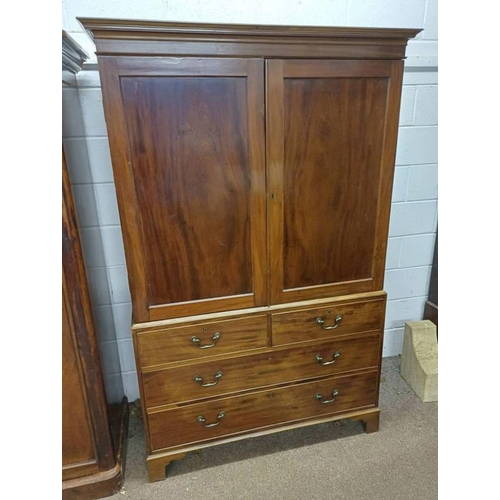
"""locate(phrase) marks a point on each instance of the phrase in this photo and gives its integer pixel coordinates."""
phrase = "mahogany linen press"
(253, 167)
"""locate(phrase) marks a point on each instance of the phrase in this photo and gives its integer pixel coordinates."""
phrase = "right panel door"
(331, 143)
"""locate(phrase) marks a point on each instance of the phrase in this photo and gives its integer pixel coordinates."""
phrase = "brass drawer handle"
(319, 397)
(197, 341)
(319, 359)
(202, 420)
(321, 322)
(217, 377)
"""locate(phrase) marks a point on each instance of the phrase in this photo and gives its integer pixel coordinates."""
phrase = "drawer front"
(193, 342)
(183, 384)
(235, 415)
(338, 319)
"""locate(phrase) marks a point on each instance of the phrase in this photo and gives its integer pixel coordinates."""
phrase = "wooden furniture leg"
(371, 422)
(157, 466)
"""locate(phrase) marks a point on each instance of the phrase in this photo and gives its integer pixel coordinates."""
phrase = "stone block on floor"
(419, 360)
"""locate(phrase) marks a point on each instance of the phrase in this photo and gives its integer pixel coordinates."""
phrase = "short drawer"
(224, 376)
(327, 321)
(202, 340)
(236, 415)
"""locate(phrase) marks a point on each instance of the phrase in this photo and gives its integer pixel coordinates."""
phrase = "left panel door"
(187, 145)
(79, 457)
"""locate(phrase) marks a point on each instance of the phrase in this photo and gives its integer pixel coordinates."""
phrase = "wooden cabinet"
(93, 432)
(254, 169)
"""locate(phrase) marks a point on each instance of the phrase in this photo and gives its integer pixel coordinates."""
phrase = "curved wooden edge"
(104, 483)
(157, 462)
(98, 485)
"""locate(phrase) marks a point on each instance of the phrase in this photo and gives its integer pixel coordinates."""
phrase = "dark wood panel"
(302, 325)
(104, 483)
(91, 457)
(85, 348)
(433, 285)
(170, 345)
(431, 304)
(387, 164)
(331, 173)
(304, 68)
(78, 440)
(188, 141)
(259, 370)
(331, 147)
(246, 48)
(190, 180)
(187, 67)
(256, 411)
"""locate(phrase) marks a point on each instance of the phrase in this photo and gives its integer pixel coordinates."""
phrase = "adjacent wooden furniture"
(254, 168)
(431, 304)
(93, 433)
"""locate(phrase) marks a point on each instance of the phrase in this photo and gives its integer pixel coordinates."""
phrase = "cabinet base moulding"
(157, 463)
(108, 482)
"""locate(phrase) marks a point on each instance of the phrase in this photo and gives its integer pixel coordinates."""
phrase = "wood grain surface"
(86, 439)
(332, 153)
(259, 410)
(301, 325)
(170, 345)
(327, 167)
(155, 38)
(188, 141)
(191, 170)
(259, 370)
(78, 452)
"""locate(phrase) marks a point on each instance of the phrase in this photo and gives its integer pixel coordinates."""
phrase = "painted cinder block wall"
(414, 202)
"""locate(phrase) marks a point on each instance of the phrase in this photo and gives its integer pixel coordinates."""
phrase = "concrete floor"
(327, 461)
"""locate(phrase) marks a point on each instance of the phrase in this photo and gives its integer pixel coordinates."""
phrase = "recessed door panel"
(333, 146)
(330, 159)
(78, 443)
(189, 149)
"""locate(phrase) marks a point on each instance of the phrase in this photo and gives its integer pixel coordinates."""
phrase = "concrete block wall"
(413, 222)
(89, 174)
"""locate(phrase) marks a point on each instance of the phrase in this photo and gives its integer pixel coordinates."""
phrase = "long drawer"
(235, 415)
(223, 376)
(184, 343)
(327, 321)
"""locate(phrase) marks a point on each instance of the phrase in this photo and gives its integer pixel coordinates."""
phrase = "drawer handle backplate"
(320, 321)
(319, 397)
(217, 377)
(216, 336)
(202, 420)
(319, 359)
